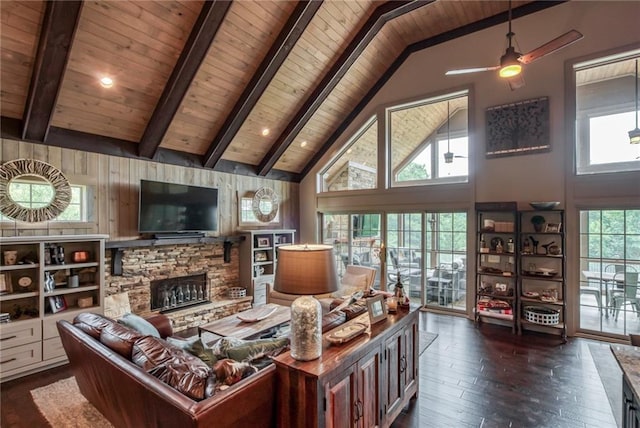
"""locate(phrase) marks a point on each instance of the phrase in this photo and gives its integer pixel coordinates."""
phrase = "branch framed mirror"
(55, 188)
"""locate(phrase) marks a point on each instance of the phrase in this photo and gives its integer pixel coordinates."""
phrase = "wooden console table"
(365, 382)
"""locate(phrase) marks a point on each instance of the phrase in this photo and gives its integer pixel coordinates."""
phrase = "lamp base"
(306, 329)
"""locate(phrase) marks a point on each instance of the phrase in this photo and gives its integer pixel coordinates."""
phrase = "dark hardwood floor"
(469, 377)
(487, 377)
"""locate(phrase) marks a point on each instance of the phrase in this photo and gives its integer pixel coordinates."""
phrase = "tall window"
(609, 271)
(355, 238)
(605, 113)
(356, 167)
(446, 259)
(429, 141)
(34, 195)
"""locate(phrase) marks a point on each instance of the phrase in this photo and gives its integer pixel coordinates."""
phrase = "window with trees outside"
(609, 271)
(34, 195)
(356, 166)
(429, 141)
(425, 250)
(605, 113)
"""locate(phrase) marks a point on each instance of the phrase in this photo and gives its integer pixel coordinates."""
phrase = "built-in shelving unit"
(259, 259)
(53, 278)
(496, 263)
(541, 279)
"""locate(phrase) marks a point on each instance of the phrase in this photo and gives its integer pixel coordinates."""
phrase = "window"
(605, 113)
(355, 238)
(429, 141)
(356, 167)
(609, 270)
(446, 256)
(247, 215)
(34, 195)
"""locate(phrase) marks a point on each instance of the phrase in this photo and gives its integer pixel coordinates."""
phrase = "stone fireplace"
(203, 262)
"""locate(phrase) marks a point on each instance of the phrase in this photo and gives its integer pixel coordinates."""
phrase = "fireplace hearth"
(176, 293)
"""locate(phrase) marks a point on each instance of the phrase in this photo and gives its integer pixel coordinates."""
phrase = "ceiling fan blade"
(558, 43)
(516, 81)
(470, 70)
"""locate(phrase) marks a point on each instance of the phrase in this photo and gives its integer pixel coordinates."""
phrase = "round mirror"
(265, 204)
(17, 179)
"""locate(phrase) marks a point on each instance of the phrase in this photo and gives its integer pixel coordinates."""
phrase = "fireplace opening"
(180, 292)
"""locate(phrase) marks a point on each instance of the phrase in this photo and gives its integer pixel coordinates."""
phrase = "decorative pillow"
(351, 283)
(229, 372)
(139, 324)
(119, 338)
(253, 349)
(116, 305)
(195, 347)
(221, 346)
(91, 323)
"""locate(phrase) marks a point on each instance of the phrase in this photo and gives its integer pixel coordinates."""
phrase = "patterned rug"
(62, 405)
(426, 339)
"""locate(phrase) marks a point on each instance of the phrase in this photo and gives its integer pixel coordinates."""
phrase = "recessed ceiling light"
(349, 150)
(303, 144)
(106, 82)
(265, 132)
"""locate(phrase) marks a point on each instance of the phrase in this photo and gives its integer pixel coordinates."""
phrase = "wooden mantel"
(117, 247)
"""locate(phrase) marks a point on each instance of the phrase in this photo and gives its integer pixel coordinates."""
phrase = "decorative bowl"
(544, 205)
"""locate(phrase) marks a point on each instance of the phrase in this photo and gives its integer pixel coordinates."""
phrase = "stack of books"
(4, 317)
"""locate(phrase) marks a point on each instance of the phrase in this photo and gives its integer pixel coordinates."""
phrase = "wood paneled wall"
(114, 183)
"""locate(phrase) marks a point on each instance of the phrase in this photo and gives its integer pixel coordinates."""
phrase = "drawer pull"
(7, 338)
(8, 361)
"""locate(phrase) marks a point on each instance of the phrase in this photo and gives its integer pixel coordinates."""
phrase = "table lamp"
(306, 270)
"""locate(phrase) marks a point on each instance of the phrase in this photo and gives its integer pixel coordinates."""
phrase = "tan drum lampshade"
(306, 269)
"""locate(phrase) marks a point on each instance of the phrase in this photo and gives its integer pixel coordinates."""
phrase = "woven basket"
(542, 315)
(237, 292)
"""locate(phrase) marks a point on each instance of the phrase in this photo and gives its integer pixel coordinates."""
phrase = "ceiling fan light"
(448, 157)
(634, 136)
(509, 64)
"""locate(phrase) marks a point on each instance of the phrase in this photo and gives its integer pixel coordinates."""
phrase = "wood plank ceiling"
(196, 83)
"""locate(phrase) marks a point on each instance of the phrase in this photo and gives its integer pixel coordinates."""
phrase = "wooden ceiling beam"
(10, 128)
(376, 21)
(519, 12)
(194, 52)
(56, 35)
(273, 60)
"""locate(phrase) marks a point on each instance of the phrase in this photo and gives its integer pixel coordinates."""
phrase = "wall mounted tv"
(169, 208)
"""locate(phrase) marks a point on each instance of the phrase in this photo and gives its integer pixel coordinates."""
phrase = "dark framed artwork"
(518, 128)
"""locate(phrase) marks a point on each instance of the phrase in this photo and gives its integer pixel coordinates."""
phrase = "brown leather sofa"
(130, 397)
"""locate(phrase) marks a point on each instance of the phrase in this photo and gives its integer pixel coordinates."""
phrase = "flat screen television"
(174, 208)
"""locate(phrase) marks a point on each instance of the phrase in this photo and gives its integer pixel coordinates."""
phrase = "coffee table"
(235, 327)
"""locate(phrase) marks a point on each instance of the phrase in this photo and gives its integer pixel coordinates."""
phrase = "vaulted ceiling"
(197, 83)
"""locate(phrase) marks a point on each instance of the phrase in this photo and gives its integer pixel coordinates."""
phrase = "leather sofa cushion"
(333, 320)
(92, 324)
(119, 338)
(175, 367)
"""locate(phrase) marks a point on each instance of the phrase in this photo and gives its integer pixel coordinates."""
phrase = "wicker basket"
(542, 315)
(237, 292)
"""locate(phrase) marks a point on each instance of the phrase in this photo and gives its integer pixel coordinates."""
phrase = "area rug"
(426, 339)
(62, 405)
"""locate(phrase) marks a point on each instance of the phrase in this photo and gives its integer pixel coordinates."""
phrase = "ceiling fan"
(448, 156)
(511, 62)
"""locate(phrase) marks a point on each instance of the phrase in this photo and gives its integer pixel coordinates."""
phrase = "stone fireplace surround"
(141, 265)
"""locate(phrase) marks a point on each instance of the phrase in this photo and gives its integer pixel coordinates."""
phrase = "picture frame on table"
(57, 304)
(263, 242)
(553, 227)
(376, 308)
